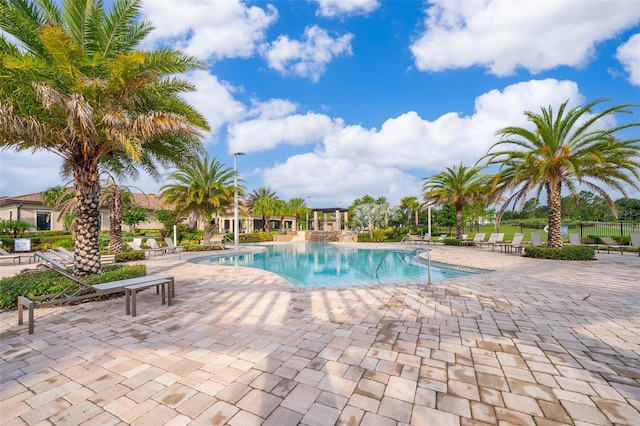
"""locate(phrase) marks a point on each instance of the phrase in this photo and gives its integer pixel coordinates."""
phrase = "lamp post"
(236, 224)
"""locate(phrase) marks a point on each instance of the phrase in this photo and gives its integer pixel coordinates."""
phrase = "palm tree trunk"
(115, 216)
(87, 223)
(267, 224)
(207, 231)
(554, 197)
(458, 223)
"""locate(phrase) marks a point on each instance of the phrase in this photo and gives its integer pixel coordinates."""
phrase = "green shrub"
(130, 255)
(31, 284)
(565, 253)
(451, 242)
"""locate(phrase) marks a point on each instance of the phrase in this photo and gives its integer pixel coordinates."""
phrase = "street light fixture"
(236, 223)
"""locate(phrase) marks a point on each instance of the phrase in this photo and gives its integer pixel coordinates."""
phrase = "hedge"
(564, 253)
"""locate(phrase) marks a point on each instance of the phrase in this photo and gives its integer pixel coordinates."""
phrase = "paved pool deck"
(534, 342)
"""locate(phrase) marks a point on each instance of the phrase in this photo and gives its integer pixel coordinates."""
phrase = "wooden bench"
(131, 290)
(93, 291)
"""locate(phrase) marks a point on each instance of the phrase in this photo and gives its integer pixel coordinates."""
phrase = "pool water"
(310, 265)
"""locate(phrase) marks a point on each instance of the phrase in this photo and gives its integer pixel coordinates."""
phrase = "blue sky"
(332, 100)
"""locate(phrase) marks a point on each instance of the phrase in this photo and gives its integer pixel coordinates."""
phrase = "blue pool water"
(309, 265)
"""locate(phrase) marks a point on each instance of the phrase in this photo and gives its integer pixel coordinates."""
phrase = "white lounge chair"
(171, 246)
(151, 242)
(478, 238)
(493, 239)
(536, 239)
(440, 239)
(516, 244)
(135, 246)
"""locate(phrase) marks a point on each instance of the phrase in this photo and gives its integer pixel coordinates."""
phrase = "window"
(43, 221)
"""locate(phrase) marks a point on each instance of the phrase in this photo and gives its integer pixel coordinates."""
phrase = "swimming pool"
(309, 265)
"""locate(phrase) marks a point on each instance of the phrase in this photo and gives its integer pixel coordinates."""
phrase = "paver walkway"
(535, 342)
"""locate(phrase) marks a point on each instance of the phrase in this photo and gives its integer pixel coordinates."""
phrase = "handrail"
(414, 252)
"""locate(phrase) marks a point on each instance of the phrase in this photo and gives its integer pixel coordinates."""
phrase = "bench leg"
(22, 303)
(133, 302)
(127, 297)
(163, 293)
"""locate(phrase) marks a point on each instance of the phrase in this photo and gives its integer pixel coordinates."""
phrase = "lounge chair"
(494, 239)
(135, 246)
(171, 247)
(613, 244)
(416, 239)
(5, 255)
(216, 240)
(478, 238)
(635, 242)
(151, 242)
(440, 239)
(536, 239)
(574, 239)
(84, 290)
(516, 244)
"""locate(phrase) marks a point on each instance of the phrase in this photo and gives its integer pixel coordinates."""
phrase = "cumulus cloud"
(273, 108)
(360, 160)
(214, 99)
(333, 8)
(629, 55)
(209, 28)
(330, 180)
(263, 134)
(307, 58)
(505, 35)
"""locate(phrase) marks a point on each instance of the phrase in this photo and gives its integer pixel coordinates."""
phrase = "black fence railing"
(605, 228)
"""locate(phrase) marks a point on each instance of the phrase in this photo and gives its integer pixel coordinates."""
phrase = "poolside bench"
(86, 291)
(131, 290)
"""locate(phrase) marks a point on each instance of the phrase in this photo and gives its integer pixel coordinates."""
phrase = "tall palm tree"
(457, 186)
(205, 187)
(411, 204)
(266, 206)
(298, 206)
(75, 84)
(571, 147)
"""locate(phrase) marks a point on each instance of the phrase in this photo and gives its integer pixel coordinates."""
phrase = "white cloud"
(629, 55)
(214, 99)
(332, 8)
(208, 28)
(307, 58)
(505, 35)
(273, 108)
(330, 180)
(263, 134)
(352, 161)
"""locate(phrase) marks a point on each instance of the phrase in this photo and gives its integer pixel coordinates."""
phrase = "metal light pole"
(236, 223)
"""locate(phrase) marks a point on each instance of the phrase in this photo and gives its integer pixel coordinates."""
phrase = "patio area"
(534, 342)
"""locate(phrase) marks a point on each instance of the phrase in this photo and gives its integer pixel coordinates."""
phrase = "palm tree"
(411, 204)
(266, 206)
(573, 147)
(205, 187)
(457, 186)
(75, 85)
(256, 194)
(298, 206)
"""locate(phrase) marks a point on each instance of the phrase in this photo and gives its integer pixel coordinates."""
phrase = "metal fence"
(605, 228)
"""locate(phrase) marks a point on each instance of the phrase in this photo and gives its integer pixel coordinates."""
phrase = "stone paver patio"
(535, 342)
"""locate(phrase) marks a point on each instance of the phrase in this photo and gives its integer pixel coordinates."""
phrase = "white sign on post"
(22, 244)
